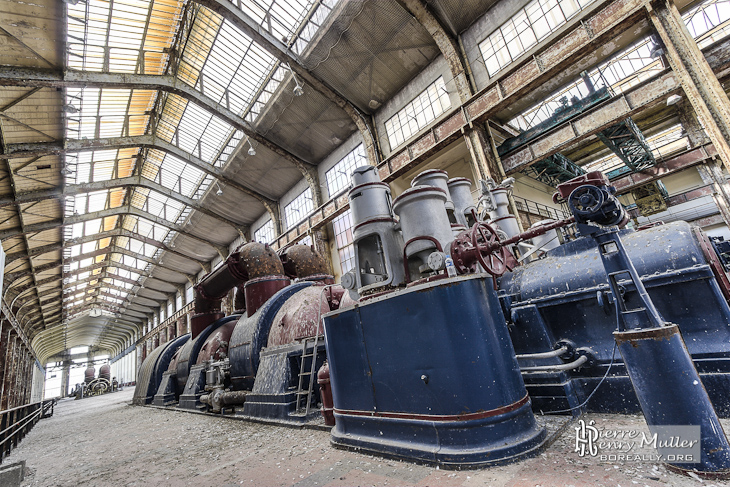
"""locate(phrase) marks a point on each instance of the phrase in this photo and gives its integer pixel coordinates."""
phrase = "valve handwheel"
(491, 255)
(586, 200)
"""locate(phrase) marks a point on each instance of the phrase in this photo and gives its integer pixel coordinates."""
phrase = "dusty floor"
(104, 441)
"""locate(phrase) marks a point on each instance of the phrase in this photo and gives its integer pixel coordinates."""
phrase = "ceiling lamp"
(251, 150)
(298, 90)
(673, 100)
(220, 190)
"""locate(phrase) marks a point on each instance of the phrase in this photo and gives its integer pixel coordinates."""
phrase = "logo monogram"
(585, 438)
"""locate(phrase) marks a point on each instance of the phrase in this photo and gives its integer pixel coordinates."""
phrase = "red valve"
(491, 254)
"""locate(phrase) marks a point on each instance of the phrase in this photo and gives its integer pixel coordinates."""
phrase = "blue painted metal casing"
(191, 391)
(251, 335)
(671, 393)
(189, 353)
(150, 373)
(566, 296)
(429, 374)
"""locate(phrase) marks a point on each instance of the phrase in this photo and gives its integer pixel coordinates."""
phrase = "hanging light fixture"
(251, 150)
(298, 89)
(220, 190)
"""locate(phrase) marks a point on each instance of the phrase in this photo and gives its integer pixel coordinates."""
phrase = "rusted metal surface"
(298, 317)
(250, 261)
(677, 163)
(717, 268)
(259, 290)
(652, 92)
(701, 86)
(201, 321)
(301, 261)
(325, 393)
(216, 345)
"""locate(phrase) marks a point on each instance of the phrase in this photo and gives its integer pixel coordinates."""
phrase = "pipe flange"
(571, 354)
(589, 354)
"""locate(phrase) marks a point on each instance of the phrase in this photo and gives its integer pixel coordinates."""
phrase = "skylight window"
(628, 68)
(136, 36)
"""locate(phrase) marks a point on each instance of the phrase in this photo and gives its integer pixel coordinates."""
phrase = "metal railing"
(17, 422)
(533, 208)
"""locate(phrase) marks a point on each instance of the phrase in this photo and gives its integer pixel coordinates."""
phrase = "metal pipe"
(553, 353)
(557, 368)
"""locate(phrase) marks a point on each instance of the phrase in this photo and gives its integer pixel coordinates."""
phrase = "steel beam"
(121, 232)
(128, 182)
(282, 52)
(121, 279)
(694, 74)
(31, 77)
(113, 249)
(12, 276)
(446, 44)
(109, 212)
(142, 141)
(664, 168)
(144, 300)
(645, 95)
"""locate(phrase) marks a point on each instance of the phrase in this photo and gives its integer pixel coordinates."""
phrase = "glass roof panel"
(130, 36)
(136, 36)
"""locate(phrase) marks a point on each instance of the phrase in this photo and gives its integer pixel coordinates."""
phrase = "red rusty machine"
(261, 361)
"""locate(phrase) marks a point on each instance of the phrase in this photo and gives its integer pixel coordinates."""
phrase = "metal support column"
(486, 163)
(4, 339)
(65, 376)
(710, 171)
(698, 81)
(321, 246)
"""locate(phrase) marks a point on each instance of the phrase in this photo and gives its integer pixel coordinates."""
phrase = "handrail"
(18, 421)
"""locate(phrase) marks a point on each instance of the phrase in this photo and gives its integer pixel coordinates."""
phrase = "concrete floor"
(104, 441)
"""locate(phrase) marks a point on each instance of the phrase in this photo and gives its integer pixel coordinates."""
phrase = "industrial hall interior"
(365, 242)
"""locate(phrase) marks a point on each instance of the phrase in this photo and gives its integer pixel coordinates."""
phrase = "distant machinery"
(95, 386)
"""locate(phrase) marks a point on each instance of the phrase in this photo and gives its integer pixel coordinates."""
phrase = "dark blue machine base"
(429, 374)
(277, 378)
(449, 444)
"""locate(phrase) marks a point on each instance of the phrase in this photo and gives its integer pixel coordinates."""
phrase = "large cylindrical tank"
(460, 190)
(569, 288)
(299, 317)
(150, 373)
(546, 241)
(435, 178)
(422, 213)
(216, 345)
(501, 216)
(251, 334)
(188, 355)
(105, 372)
(89, 374)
